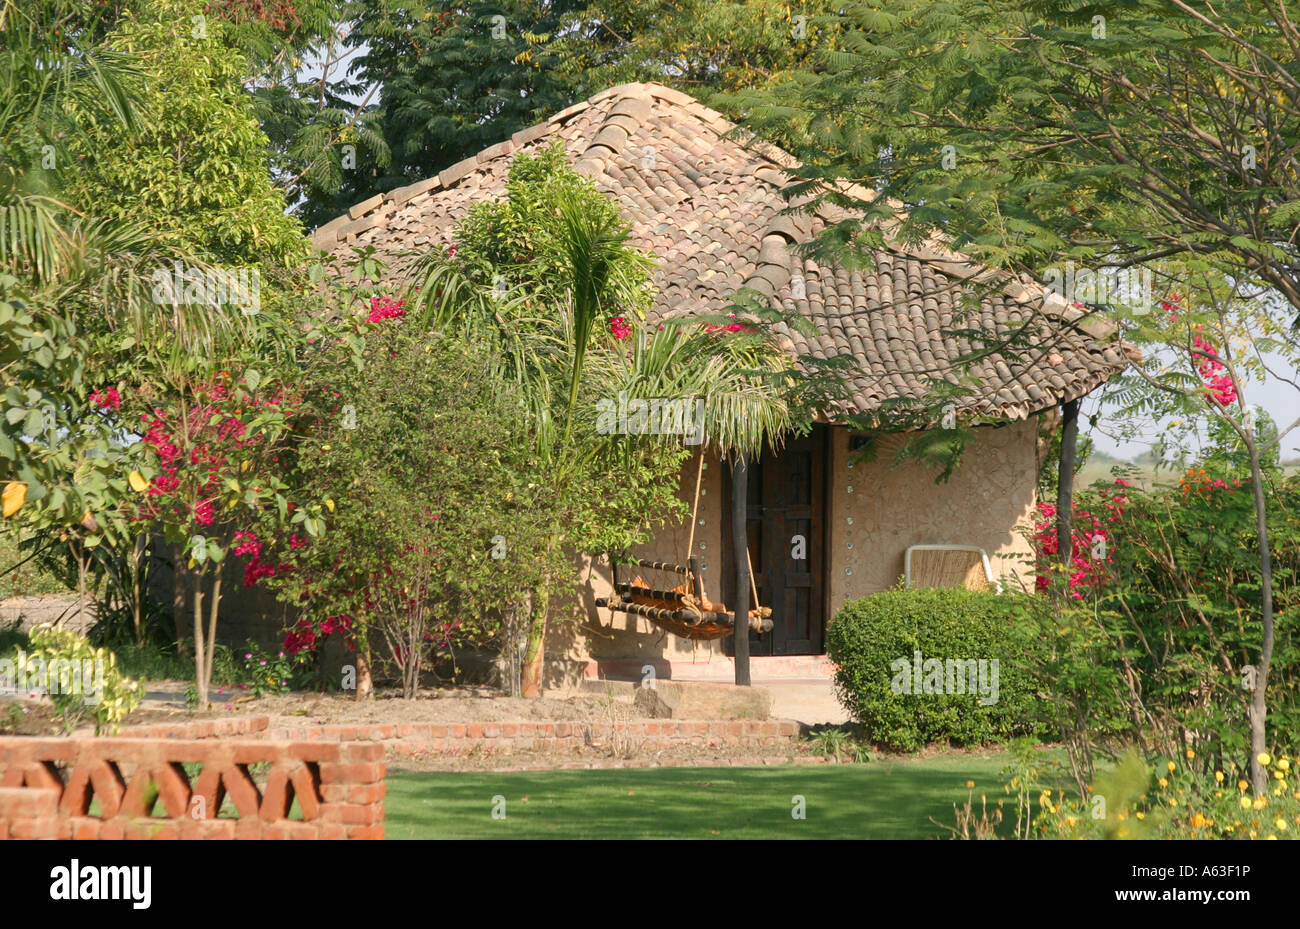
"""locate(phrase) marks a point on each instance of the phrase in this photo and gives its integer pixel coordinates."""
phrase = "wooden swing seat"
(683, 610)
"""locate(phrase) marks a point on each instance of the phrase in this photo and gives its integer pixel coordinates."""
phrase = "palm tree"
(563, 361)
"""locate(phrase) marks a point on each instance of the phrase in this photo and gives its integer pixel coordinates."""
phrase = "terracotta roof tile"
(705, 198)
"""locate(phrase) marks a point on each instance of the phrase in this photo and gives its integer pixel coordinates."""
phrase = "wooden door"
(785, 528)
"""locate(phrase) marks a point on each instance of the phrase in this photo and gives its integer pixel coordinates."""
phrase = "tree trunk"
(137, 606)
(535, 653)
(199, 662)
(365, 683)
(1065, 483)
(180, 601)
(1258, 704)
(212, 631)
(740, 546)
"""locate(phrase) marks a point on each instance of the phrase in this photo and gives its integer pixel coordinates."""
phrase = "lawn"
(886, 799)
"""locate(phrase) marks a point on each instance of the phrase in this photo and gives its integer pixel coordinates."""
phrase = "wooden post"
(1065, 482)
(740, 548)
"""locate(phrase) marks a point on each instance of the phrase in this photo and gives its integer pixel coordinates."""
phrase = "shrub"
(874, 642)
(79, 679)
(1159, 647)
(1177, 799)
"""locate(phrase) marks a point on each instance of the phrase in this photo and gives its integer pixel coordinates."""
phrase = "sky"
(1278, 398)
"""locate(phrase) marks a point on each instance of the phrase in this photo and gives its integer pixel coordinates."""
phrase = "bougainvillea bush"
(1156, 640)
(428, 488)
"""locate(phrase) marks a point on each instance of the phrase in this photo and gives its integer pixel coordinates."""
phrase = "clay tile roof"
(706, 201)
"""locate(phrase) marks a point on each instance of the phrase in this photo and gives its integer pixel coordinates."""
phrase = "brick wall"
(47, 787)
(456, 737)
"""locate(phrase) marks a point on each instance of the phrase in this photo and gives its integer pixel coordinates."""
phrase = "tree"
(435, 523)
(1117, 135)
(575, 292)
(457, 78)
(197, 175)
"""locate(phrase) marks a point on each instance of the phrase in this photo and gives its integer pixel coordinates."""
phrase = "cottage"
(822, 528)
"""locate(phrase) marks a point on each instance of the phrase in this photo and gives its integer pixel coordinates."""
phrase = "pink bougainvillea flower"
(619, 327)
(1214, 372)
(106, 399)
(382, 308)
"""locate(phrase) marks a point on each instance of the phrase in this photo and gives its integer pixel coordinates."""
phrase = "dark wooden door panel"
(785, 519)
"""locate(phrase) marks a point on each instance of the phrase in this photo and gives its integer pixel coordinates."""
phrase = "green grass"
(887, 799)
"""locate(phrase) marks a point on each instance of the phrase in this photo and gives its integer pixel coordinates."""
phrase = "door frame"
(822, 433)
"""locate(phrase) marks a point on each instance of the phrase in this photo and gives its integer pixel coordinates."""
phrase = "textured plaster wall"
(589, 631)
(890, 508)
(879, 509)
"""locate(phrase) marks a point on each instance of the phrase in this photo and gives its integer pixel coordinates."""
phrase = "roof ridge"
(368, 213)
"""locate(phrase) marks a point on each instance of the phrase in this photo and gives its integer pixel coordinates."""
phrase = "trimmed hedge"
(874, 642)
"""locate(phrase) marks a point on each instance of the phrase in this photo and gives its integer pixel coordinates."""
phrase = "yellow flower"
(1260, 803)
(1218, 776)
(970, 785)
(1172, 766)
(1281, 824)
(1164, 782)
(1243, 784)
(1173, 801)
(1190, 754)
(1284, 764)
(1140, 815)
(1263, 758)
(1245, 803)
(1198, 820)
(13, 498)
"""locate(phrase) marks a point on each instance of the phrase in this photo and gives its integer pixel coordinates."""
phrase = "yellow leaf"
(243, 465)
(137, 482)
(14, 496)
(329, 505)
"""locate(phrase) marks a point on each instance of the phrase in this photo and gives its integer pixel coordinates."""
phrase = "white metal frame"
(984, 556)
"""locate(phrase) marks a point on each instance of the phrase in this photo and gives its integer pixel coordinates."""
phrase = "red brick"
(474, 731)
(454, 731)
(315, 751)
(332, 831)
(366, 793)
(112, 830)
(220, 830)
(545, 730)
(43, 828)
(351, 773)
(361, 752)
(255, 752)
(374, 833)
(249, 828)
(355, 814)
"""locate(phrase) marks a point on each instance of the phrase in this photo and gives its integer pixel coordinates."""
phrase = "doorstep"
(762, 669)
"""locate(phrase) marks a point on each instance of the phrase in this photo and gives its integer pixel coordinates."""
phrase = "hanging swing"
(681, 608)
